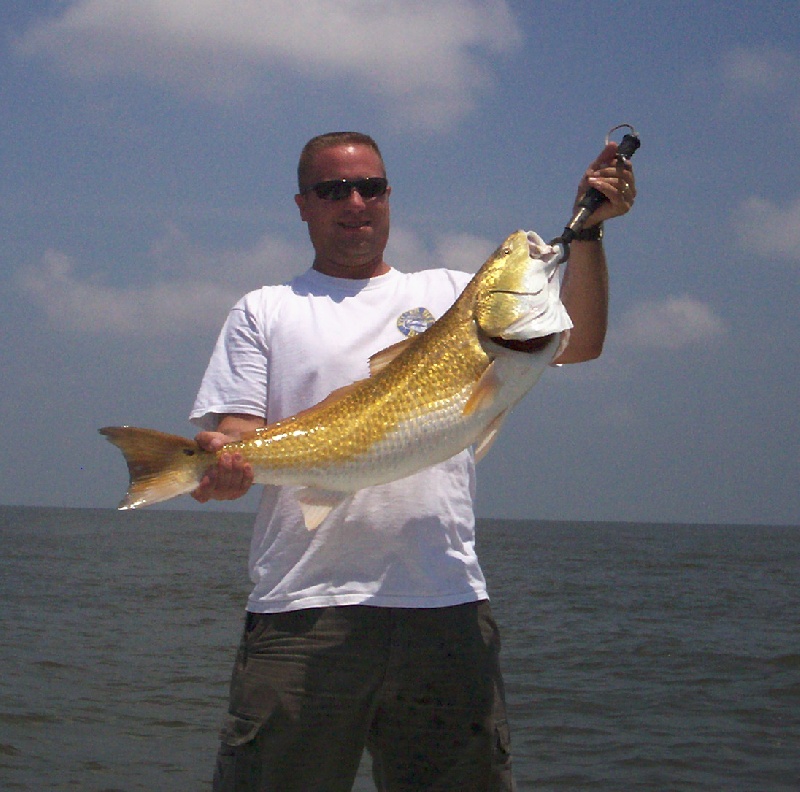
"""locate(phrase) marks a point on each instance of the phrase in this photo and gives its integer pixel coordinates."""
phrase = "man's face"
(350, 235)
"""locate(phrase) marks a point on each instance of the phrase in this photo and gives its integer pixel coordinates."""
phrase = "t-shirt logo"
(414, 321)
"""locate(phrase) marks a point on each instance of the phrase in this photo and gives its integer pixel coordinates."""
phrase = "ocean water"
(637, 657)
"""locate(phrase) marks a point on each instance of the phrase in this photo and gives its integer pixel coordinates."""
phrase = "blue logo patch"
(414, 321)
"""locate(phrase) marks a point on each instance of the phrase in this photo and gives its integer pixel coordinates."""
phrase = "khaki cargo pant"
(420, 688)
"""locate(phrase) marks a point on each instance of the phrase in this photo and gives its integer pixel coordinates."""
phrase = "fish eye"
(189, 451)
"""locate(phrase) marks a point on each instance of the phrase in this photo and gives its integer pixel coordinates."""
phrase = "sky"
(148, 151)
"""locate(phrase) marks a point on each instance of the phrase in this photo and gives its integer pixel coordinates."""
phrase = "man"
(375, 629)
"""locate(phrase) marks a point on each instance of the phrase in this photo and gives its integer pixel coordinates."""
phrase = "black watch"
(593, 234)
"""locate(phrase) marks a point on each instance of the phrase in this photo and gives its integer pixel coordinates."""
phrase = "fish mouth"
(529, 345)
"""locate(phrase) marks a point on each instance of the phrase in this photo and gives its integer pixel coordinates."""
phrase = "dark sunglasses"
(339, 189)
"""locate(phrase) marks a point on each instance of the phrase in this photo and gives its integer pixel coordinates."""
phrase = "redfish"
(427, 398)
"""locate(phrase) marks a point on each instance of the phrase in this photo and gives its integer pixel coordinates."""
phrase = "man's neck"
(370, 269)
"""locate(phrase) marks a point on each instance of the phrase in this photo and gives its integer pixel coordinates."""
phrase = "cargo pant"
(420, 688)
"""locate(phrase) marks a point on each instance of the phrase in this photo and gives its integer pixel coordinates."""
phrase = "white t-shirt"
(409, 543)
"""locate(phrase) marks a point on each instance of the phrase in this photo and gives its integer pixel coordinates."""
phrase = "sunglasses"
(339, 189)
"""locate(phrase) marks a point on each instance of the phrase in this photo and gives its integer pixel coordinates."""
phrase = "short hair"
(329, 140)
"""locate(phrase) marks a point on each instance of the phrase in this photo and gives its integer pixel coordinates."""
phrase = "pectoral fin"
(317, 504)
(486, 440)
(484, 392)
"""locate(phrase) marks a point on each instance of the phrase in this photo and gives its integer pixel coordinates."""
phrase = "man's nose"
(355, 198)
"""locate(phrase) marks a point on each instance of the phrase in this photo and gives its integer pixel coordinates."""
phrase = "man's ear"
(302, 203)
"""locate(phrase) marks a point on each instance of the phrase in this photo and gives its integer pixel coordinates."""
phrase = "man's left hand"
(613, 176)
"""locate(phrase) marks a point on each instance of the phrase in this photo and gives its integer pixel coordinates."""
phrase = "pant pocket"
(502, 779)
(238, 767)
(238, 731)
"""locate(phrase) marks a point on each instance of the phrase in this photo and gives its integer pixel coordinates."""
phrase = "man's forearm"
(584, 293)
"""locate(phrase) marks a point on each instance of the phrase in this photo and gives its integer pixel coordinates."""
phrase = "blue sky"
(148, 153)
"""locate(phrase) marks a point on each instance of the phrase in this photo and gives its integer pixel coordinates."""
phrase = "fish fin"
(317, 504)
(563, 343)
(161, 466)
(380, 360)
(486, 440)
(484, 392)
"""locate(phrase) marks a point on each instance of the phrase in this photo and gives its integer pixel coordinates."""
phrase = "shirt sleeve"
(237, 375)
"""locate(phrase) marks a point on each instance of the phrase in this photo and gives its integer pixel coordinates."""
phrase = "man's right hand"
(232, 476)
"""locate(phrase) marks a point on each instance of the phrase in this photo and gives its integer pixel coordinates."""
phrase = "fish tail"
(161, 466)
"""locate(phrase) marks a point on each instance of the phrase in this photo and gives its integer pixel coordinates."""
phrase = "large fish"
(427, 398)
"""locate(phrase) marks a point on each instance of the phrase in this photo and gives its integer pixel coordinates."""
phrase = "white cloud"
(466, 252)
(270, 259)
(758, 72)
(671, 324)
(202, 288)
(85, 305)
(425, 60)
(765, 79)
(769, 229)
